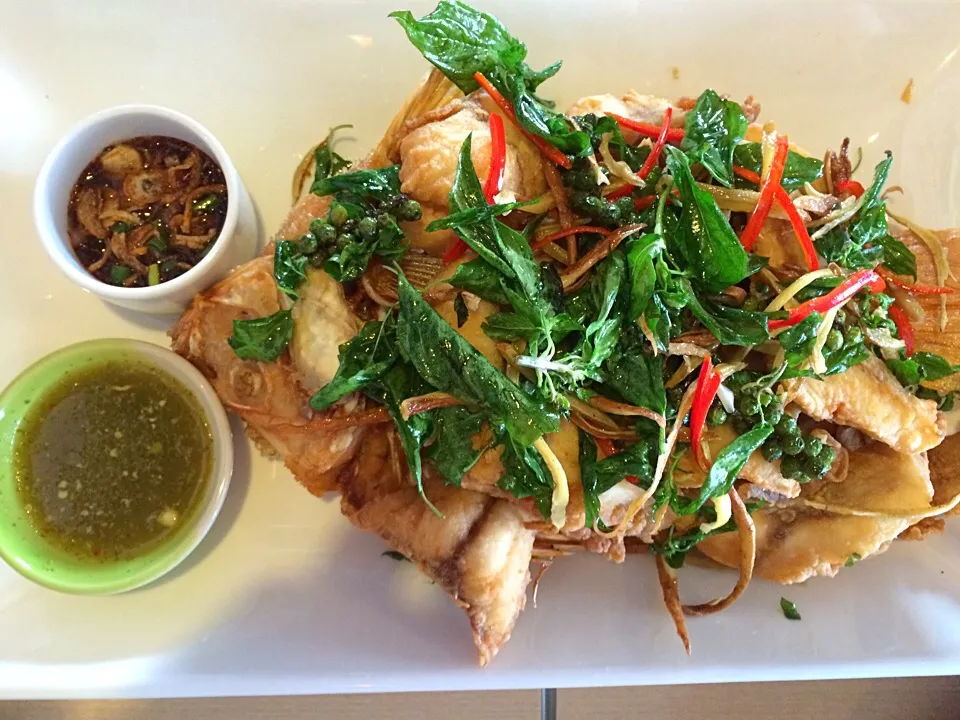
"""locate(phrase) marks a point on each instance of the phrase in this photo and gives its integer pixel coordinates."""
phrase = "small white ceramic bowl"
(237, 242)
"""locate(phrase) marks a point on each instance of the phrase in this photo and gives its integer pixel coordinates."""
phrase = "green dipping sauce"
(112, 459)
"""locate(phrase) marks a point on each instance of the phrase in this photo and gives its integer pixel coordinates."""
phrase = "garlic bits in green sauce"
(112, 459)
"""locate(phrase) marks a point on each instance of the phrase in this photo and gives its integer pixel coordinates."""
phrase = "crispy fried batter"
(869, 398)
(796, 542)
(479, 552)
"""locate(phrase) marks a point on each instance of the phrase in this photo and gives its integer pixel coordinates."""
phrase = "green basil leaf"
(731, 326)
(400, 382)
(799, 340)
(846, 357)
(449, 363)
(838, 246)
(326, 161)
(637, 378)
(510, 326)
(474, 215)
(461, 41)
(789, 609)
(466, 194)
(480, 278)
(587, 458)
(705, 241)
(897, 257)
(797, 170)
(524, 472)
(675, 547)
(380, 184)
(452, 451)
(505, 250)
(363, 359)
(712, 130)
(641, 252)
(921, 366)
(726, 466)
(637, 461)
(871, 196)
(536, 117)
(262, 339)
(289, 267)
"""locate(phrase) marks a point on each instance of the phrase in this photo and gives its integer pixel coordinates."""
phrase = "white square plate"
(284, 596)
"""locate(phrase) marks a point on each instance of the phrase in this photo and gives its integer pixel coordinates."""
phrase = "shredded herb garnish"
(789, 609)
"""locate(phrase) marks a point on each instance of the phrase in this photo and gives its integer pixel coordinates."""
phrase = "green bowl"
(34, 557)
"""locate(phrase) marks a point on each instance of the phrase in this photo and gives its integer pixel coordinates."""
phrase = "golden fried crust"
(479, 551)
(869, 398)
(795, 542)
(267, 396)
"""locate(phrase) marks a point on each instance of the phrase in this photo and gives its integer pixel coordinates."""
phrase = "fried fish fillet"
(868, 397)
(479, 551)
(796, 541)
(269, 396)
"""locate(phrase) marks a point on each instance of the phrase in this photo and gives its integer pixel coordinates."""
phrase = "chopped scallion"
(789, 608)
(153, 275)
(157, 243)
(119, 273)
(208, 202)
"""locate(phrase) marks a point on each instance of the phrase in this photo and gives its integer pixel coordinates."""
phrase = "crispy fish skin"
(928, 334)
(868, 397)
(267, 396)
(796, 542)
(479, 552)
(429, 154)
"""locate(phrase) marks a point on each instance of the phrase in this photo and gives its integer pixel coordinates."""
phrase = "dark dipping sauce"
(146, 210)
(112, 460)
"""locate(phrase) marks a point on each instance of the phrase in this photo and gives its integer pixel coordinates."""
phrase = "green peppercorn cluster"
(803, 457)
(845, 331)
(337, 231)
(586, 199)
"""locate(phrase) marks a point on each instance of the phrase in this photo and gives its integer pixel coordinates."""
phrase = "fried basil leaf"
(799, 340)
(641, 254)
(452, 451)
(797, 170)
(730, 325)
(262, 339)
(289, 267)
(726, 466)
(704, 239)
(524, 472)
(380, 184)
(400, 382)
(480, 278)
(363, 359)
(919, 367)
(326, 161)
(449, 363)
(712, 130)
(461, 41)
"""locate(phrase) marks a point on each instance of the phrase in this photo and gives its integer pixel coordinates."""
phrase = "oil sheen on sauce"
(112, 460)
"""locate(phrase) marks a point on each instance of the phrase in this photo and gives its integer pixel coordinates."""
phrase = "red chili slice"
(767, 193)
(840, 294)
(904, 328)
